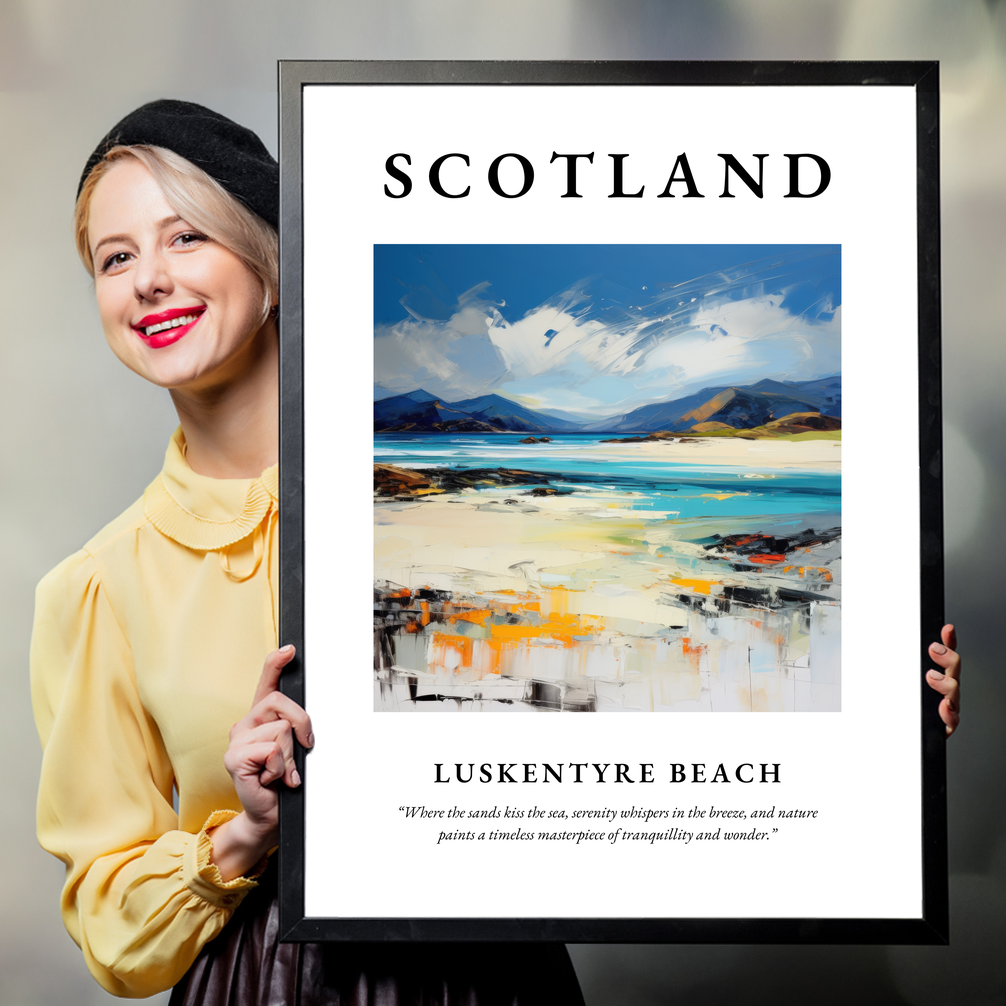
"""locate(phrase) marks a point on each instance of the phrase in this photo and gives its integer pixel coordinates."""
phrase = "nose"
(152, 277)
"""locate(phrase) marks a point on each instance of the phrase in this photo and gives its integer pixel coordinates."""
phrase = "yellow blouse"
(147, 647)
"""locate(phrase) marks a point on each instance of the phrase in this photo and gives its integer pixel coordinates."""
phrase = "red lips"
(170, 334)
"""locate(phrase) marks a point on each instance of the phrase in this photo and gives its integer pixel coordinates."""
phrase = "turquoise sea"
(581, 463)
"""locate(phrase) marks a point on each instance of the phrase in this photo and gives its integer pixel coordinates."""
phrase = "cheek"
(246, 300)
(113, 310)
(225, 280)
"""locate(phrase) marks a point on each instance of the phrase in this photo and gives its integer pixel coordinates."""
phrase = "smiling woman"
(157, 279)
(149, 643)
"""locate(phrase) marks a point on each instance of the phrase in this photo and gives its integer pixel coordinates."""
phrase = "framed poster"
(651, 353)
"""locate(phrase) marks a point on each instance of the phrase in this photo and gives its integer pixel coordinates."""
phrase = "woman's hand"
(948, 681)
(260, 753)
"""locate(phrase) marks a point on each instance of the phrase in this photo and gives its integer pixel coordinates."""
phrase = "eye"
(189, 239)
(115, 261)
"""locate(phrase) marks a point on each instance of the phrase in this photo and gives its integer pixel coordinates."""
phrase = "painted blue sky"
(594, 330)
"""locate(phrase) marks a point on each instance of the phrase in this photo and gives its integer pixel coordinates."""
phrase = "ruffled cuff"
(203, 878)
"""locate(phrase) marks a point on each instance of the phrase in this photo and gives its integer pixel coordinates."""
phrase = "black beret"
(231, 154)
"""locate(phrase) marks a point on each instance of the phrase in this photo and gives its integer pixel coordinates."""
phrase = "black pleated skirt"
(246, 965)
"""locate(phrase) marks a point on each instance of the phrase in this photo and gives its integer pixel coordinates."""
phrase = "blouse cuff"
(202, 876)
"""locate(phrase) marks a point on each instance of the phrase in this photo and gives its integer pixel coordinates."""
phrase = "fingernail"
(936, 675)
(938, 648)
(310, 740)
(287, 649)
(295, 777)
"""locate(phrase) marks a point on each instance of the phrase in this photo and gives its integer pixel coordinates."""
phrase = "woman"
(148, 643)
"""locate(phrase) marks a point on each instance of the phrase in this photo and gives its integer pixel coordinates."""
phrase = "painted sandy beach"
(678, 576)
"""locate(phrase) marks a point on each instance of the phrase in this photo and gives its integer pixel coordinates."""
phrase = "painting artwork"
(607, 478)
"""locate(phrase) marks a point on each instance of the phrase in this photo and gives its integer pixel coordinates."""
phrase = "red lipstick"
(165, 332)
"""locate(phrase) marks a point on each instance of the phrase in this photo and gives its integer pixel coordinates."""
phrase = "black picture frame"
(932, 926)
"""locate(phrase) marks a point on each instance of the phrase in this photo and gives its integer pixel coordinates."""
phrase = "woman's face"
(177, 308)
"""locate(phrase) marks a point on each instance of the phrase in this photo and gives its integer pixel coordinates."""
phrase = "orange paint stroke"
(802, 571)
(561, 628)
(824, 573)
(478, 616)
(692, 653)
(699, 586)
(519, 633)
(442, 645)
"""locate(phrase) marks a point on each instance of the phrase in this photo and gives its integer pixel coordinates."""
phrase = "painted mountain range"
(741, 407)
(738, 406)
(421, 411)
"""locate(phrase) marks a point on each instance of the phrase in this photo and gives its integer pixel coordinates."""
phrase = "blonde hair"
(199, 200)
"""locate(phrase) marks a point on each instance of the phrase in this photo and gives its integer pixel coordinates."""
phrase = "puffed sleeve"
(141, 898)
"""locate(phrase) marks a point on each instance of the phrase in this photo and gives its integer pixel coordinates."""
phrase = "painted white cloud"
(588, 352)
(454, 359)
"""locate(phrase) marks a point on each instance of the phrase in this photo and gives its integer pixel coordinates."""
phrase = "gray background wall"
(81, 436)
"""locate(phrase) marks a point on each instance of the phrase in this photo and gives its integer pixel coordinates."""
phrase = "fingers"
(950, 717)
(947, 681)
(944, 684)
(262, 760)
(261, 749)
(270, 703)
(945, 656)
(949, 636)
(265, 751)
(272, 761)
(949, 687)
(271, 671)
(277, 706)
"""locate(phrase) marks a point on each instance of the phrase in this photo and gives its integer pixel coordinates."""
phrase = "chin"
(170, 374)
(191, 378)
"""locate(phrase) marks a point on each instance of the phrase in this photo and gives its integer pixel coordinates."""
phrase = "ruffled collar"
(203, 513)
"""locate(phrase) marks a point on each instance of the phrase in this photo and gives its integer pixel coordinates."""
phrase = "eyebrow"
(160, 225)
